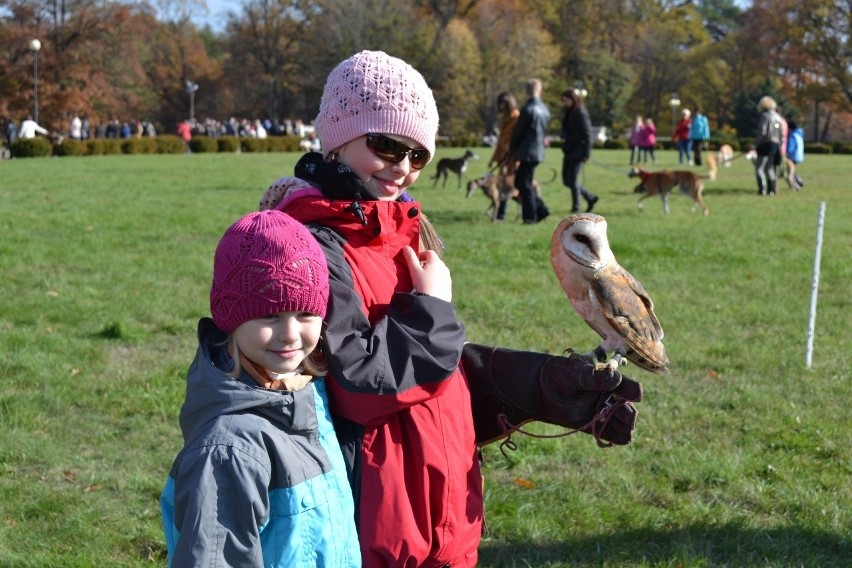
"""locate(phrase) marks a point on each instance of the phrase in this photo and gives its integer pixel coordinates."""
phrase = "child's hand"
(429, 274)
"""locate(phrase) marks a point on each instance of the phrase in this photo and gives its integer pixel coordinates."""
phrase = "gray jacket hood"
(211, 393)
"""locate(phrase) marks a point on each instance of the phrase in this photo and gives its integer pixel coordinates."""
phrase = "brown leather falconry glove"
(509, 388)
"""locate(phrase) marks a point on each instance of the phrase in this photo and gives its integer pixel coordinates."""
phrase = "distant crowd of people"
(80, 128)
(248, 128)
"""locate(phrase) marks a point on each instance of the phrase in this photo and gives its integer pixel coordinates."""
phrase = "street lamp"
(581, 92)
(674, 102)
(191, 88)
(35, 46)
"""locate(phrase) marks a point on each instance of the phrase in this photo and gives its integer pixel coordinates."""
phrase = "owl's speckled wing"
(626, 306)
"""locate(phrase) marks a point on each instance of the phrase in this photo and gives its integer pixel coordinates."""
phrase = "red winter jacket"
(401, 405)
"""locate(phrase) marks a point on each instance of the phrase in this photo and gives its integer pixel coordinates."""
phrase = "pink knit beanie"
(372, 92)
(267, 262)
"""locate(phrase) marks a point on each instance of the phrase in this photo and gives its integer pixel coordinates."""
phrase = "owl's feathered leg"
(611, 365)
(600, 359)
(617, 360)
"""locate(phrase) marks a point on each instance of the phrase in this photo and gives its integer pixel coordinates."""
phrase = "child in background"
(635, 141)
(649, 140)
(261, 480)
(401, 403)
(681, 137)
(795, 154)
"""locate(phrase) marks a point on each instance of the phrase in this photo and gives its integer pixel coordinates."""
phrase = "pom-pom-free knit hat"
(267, 262)
(372, 92)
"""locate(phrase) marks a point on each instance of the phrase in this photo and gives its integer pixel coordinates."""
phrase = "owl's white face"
(585, 242)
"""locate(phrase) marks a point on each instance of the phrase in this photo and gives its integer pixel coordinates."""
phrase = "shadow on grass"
(698, 545)
(710, 190)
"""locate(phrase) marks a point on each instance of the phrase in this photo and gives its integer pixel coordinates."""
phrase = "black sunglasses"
(394, 151)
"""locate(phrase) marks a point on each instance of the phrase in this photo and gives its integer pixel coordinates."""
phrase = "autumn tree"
(82, 41)
(176, 62)
(514, 46)
(811, 51)
(269, 50)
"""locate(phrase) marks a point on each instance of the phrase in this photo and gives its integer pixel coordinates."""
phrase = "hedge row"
(166, 144)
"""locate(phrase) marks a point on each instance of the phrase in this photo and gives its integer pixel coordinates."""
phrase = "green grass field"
(742, 455)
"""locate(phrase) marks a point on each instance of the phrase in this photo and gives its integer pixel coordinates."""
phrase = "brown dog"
(661, 183)
(498, 188)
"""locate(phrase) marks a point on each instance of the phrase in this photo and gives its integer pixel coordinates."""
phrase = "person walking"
(75, 130)
(10, 131)
(795, 154)
(576, 148)
(649, 140)
(635, 141)
(184, 130)
(507, 106)
(767, 144)
(699, 134)
(29, 129)
(681, 138)
(527, 148)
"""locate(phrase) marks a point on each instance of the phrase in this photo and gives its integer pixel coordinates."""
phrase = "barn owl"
(611, 301)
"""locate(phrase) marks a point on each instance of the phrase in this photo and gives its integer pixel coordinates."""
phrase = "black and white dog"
(456, 165)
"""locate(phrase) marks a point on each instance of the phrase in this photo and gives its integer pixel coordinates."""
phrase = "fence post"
(815, 286)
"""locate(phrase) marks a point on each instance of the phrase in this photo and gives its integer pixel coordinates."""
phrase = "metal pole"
(673, 119)
(815, 286)
(35, 86)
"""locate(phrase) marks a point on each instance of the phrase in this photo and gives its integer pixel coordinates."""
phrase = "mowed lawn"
(741, 455)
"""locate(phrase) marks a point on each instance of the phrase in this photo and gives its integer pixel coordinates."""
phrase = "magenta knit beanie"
(372, 92)
(267, 262)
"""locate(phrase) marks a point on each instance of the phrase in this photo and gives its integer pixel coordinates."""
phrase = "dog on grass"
(455, 165)
(725, 155)
(662, 183)
(498, 188)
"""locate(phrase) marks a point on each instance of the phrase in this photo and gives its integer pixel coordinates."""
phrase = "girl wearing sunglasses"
(401, 403)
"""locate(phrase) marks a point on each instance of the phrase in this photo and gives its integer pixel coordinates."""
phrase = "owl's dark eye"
(583, 239)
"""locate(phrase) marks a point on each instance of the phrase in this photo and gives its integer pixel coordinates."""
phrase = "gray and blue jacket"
(260, 480)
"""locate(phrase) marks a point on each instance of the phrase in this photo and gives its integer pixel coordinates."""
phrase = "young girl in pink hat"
(261, 480)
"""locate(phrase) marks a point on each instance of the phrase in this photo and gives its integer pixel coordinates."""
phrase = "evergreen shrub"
(203, 145)
(144, 145)
(31, 148)
(170, 144)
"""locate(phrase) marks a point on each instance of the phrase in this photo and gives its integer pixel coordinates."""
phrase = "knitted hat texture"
(267, 262)
(372, 92)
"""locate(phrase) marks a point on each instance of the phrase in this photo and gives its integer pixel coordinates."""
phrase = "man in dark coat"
(527, 148)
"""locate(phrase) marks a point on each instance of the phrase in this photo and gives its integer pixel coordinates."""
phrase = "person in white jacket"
(29, 129)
